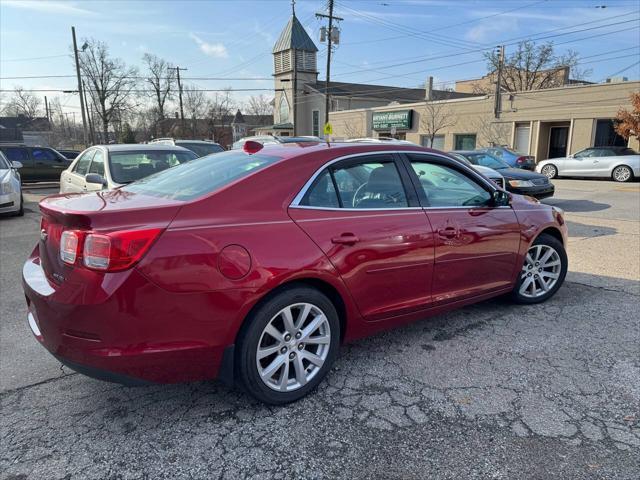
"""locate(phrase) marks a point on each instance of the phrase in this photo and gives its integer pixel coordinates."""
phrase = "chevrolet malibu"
(254, 268)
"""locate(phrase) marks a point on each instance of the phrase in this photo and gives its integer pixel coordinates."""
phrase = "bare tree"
(220, 116)
(196, 106)
(535, 67)
(353, 128)
(23, 103)
(162, 78)
(435, 118)
(259, 105)
(109, 81)
(489, 131)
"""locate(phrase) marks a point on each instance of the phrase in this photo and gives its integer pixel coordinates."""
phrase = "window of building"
(465, 141)
(606, 136)
(522, 139)
(283, 109)
(315, 122)
(438, 142)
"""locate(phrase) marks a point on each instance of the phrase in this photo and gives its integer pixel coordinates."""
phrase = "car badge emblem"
(43, 235)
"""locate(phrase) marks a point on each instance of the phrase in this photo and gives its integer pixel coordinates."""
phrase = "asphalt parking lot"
(489, 391)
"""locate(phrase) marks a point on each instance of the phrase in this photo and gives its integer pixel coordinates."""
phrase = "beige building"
(545, 123)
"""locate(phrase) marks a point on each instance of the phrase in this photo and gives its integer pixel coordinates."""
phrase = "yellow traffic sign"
(328, 129)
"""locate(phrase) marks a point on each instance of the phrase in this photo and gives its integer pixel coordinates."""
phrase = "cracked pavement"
(489, 391)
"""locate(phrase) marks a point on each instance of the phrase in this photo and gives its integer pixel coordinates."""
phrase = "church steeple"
(294, 38)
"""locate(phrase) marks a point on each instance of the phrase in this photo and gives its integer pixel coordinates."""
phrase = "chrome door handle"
(345, 239)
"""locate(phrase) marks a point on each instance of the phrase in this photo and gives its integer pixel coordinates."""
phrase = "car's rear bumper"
(139, 333)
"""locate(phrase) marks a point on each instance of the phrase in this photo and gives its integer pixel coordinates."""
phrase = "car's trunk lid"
(99, 211)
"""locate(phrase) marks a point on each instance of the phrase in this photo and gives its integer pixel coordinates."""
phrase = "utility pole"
(180, 97)
(86, 106)
(75, 53)
(498, 100)
(330, 37)
(294, 95)
(46, 107)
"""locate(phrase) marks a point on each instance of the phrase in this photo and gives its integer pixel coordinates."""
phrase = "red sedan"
(254, 265)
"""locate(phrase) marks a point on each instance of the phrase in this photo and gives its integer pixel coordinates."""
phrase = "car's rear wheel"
(288, 345)
(550, 171)
(622, 173)
(543, 271)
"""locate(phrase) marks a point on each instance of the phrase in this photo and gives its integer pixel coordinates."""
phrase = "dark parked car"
(255, 267)
(517, 180)
(201, 148)
(39, 164)
(511, 157)
(70, 154)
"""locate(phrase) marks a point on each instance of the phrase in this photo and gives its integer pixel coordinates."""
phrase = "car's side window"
(322, 193)
(444, 186)
(97, 163)
(585, 153)
(369, 184)
(16, 154)
(82, 165)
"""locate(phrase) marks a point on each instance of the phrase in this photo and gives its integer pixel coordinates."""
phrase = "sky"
(383, 42)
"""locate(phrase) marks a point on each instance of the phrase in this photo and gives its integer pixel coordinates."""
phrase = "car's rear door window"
(201, 176)
(365, 184)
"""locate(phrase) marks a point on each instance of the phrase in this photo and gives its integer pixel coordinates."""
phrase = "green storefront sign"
(400, 119)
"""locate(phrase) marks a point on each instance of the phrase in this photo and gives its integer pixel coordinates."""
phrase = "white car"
(621, 164)
(10, 187)
(103, 167)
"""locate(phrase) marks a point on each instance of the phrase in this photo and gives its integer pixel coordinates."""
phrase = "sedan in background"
(511, 157)
(38, 164)
(70, 154)
(517, 180)
(103, 167)
(255, 267)
(201, 148)
(10, 187)
(490, 173)
(621, 164)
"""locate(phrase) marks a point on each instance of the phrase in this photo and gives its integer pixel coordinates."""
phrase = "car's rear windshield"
(201, 149)
(201, 176)
(127, 167)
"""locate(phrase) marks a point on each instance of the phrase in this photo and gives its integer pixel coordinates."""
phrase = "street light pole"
(75, 53)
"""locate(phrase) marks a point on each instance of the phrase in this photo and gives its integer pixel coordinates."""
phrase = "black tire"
(622, 173)
(20, 212)
(553, 242)
(551, 169)
(246, 353)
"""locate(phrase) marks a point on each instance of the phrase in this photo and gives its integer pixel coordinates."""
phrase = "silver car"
(109, 166)
(10, 187)
(621, 164)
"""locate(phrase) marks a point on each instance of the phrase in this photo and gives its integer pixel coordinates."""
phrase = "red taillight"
(117, 250)
(108, 252)
(70, 242)
(521, 160)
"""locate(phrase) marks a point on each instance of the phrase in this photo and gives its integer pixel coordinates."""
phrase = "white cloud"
(216, 50)
(64, 8)
(489, 30)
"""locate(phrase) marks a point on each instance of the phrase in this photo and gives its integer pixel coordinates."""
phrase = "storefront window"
(438, 142)
(465, 142)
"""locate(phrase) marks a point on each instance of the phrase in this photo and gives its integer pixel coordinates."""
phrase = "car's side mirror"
(95, 178)
(16, 164)
(501, 199)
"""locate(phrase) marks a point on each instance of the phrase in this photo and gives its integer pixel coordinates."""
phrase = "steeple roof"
(294, 36)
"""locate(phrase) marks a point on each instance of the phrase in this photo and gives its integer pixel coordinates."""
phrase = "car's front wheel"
(543, 271)
(550, 171)
(288, 345)
(622, 173)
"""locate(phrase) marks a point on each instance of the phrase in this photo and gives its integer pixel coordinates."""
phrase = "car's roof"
(465, 152)
(137, 147)
(289, 150)
(187, 140)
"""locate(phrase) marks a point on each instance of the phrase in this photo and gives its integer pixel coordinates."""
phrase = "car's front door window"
(97, 163)
(82, 165)
(446, 187)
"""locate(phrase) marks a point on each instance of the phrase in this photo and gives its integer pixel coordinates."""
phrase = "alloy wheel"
(621, 174)
(540, 272)
(549, 171)
(293, 347)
